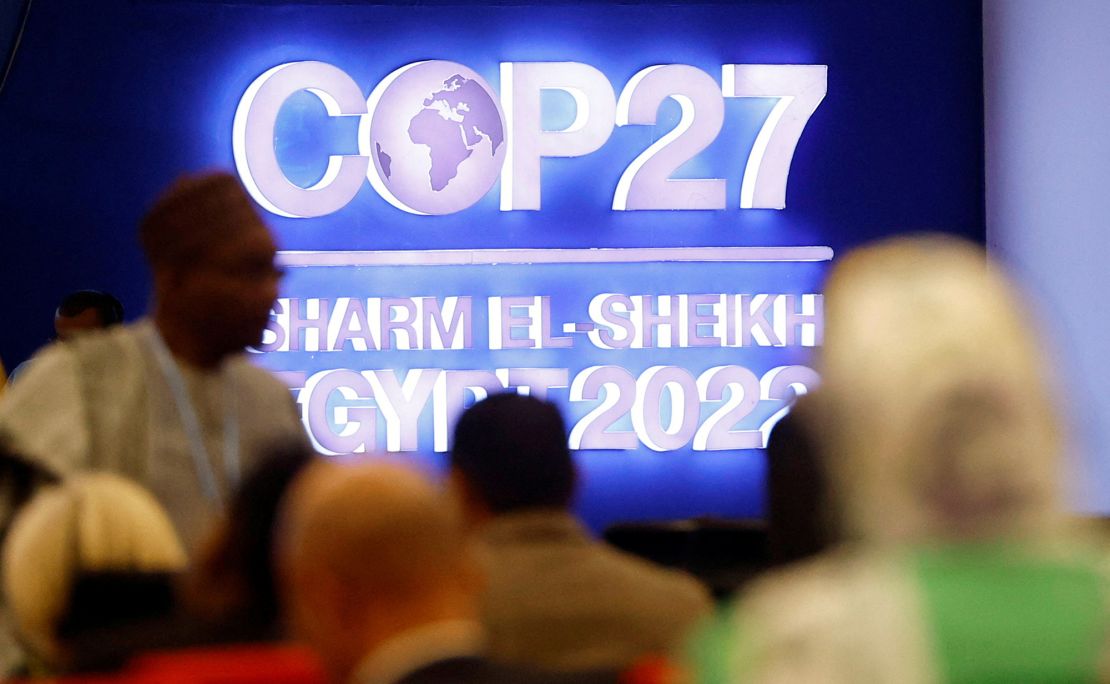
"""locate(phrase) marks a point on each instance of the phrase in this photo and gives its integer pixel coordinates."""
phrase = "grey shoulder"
(667, 584)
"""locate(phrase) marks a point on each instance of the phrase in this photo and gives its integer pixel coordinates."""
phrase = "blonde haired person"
(96, 522)
(939, 431)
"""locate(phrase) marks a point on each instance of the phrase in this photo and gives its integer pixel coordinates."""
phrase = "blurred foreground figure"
(797, 490)
(556, 598)
(169, 401)
(96, 553)
(232, 588)
(945, 472)
(381, 580)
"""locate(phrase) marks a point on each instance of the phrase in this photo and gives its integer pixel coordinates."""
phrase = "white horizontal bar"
(485, 257)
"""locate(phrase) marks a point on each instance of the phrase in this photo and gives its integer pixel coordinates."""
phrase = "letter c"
(253, 140)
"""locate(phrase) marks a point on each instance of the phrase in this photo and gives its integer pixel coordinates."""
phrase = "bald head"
(369, 551)
(339, 516)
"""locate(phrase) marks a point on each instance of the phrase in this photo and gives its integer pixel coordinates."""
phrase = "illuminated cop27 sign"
(635, 366)
(434, 137)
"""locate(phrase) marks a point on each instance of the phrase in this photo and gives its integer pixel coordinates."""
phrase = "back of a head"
(934, 402)
(233, 579)
(92, 523)
(512, 451)
(192, 215)
(380, 530)
(797, 490)
(108, 308)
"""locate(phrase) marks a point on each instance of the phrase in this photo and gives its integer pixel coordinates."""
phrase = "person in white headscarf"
(940, 437)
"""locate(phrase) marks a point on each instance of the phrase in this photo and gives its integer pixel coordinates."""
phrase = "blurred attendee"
(94, 553)
(171, 400)
(80, 312)
(382, 581)
(556, 598)
(797, 490)
(227, 600)
(232, 588)
(86, 310)
(3, 377)
(945, 471)
(225, 610)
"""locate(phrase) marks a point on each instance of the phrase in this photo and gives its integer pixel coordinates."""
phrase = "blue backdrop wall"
(108, 102)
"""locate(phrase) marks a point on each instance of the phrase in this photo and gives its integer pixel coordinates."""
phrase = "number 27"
(646, 182)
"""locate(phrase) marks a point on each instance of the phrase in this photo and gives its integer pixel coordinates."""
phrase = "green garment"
(983, 614)
(998, 615)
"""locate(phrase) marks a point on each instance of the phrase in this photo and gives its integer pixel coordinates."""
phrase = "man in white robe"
(170, 401)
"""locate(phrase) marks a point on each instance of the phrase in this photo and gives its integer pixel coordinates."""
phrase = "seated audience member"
(945, 469)
(170, 401)
(797, 490)
(86, 310)
(80, 312)
(228, 599)
(94, 553)
(556, 598)
(232, 588)
(381, 580)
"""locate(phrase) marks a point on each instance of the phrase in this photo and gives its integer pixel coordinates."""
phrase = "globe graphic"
(435, 136)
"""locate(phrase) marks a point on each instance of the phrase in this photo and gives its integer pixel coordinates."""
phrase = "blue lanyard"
(187, 413)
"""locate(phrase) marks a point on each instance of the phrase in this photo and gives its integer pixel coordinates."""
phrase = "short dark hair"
(246, 554)
(194, 213)
(107, 306)
(512, 450)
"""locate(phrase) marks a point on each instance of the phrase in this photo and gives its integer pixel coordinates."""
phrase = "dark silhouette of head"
(797, 490)
(85, 310)
(233, 582)
(511, 452)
